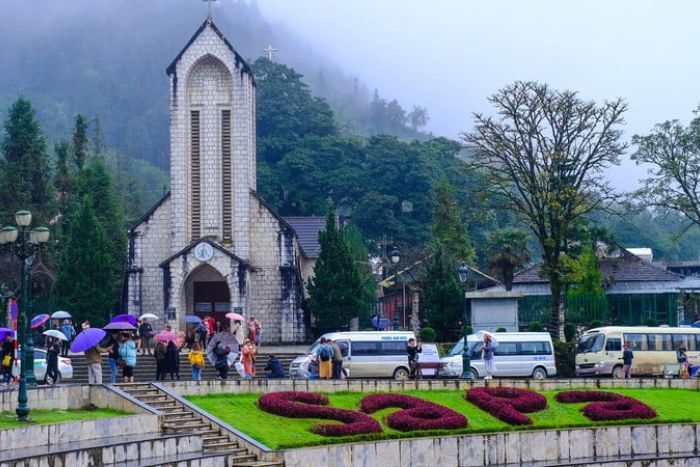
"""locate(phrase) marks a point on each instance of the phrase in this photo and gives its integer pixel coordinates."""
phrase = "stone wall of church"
(274, 293)
(151, 245)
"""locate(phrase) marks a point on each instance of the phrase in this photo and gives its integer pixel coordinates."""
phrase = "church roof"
(214, 244)
(239, 59)
(307, 229)
(150, 212)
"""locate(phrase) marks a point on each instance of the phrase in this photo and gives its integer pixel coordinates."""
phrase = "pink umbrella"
(165, 336)
(235, 316)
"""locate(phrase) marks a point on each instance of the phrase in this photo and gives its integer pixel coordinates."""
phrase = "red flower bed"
(417, 414)
(297, 404)
(607, 405)
(508, 404)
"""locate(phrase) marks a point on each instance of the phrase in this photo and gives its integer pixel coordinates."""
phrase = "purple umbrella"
(124, 318)
(5, 331)
(87, 339)
(119, 326)
(38, 320)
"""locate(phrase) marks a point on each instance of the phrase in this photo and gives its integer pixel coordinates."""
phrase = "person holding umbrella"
(8, 357)
(69, 331)
(52, 351)
(113, 356)
(146, 332)
(94, 364)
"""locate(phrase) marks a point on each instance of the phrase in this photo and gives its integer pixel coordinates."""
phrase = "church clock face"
(203, 252)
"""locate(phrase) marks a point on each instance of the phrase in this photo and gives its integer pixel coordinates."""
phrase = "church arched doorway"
(206, 293)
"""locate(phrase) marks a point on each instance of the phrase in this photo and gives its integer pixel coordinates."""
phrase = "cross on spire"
(209, 2)
(269, 50)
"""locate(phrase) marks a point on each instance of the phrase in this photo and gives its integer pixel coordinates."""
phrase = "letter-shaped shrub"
(508, 404)
(295, 404)
(607, 405)
(417, 414)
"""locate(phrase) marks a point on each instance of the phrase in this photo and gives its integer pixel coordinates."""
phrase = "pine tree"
(442, 294)
(336, 289)
(448, 229)
(84, 265)
(24, 167)
(80, 141)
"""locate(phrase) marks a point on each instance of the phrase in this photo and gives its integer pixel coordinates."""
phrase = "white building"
(212, 245)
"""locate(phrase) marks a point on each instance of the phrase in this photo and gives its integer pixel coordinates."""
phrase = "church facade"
(212, 245)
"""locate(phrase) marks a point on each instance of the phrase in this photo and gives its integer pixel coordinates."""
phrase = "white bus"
(599, 351)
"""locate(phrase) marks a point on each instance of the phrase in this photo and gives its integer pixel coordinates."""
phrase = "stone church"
(212, 245)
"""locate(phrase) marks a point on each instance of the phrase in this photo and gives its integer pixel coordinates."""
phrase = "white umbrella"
(481, 334)
(148, 316)
(55, 333)
(61, 315)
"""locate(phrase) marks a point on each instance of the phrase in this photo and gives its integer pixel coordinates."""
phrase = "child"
(196, 358)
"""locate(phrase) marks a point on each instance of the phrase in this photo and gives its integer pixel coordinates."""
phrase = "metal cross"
(269, 50)
(209, 2)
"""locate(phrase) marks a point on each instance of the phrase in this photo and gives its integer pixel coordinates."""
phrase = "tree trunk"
(556, 323)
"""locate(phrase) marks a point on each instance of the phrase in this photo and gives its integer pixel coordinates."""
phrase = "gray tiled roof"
(307, 228)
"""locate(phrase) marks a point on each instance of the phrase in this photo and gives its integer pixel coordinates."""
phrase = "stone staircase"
(146, 368)
(179, 419)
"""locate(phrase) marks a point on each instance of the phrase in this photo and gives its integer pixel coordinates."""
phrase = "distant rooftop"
(307, 228)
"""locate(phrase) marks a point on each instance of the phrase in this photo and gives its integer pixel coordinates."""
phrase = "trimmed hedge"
(508, 404)
(417, 414)
(298, 404)
(607, 406)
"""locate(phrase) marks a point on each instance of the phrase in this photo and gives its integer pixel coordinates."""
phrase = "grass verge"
(45, 417)
(276, 432)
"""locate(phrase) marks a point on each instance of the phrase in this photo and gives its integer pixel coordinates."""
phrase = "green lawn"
(45, 417)
(240, 411)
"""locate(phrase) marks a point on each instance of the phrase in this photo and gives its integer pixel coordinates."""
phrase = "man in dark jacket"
(221, 355)
(146, 332)
(274, 368)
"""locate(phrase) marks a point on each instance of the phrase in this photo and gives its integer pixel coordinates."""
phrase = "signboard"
(429, 359)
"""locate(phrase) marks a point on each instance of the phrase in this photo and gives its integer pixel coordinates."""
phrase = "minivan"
(529, 354)
(366, 354)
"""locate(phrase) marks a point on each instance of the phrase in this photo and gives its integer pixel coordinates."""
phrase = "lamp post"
(24, 243)
(466, 358)
(395, 257)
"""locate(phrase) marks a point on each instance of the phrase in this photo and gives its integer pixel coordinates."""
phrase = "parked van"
(366, 354)
(599, 351)
(529, 354)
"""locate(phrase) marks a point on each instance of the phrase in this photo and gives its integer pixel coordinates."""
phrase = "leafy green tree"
(447, 227)
(442, 294)
(584, 276)
(360, 254)
(80, 142)
(508, 251)
(544, 156)
(25, 175)
(85, 266)
(336, 290)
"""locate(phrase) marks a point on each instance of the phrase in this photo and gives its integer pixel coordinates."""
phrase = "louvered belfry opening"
(226, 175)
(195, 186)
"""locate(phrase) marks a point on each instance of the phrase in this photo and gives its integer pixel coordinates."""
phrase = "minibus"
(599, 350)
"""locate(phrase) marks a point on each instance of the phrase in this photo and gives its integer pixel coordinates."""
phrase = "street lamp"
(466, 358)
(395, 257)
(24, 243)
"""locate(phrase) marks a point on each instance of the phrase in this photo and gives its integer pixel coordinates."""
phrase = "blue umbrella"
(124, 318)
(192, 319)
(5, 331)
(87, 339)
(38, 320)
(119, 326)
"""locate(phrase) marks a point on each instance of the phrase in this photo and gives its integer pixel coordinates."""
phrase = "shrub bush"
(595, 323)
(535, 326)
(417, 414)
(501, 330)
(607, 405)
(651, 322)
(297, 404)
(508, 404)
(569, 332)
(428, 334)
(565, 358)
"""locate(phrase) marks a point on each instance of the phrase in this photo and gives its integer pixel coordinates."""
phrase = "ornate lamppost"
(466, 358)
(395, 257)
(24, 243)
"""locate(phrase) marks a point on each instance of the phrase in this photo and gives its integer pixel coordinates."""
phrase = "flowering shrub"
(296, 404)
(607, 405)
(508, 404)
(417, 414)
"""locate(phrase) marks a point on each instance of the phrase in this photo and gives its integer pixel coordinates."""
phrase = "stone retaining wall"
(189, 388)
(69, 397)
(583, 445)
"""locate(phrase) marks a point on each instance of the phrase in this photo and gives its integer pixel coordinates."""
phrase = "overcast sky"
(449, 55)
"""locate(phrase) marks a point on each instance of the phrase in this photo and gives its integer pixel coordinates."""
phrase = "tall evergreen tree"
(80, 141)
(336, 288)
(24, 167)
(84, 265)
(442, 293)
(447, 227)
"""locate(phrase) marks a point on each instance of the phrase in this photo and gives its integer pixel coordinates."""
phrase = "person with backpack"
(201, 331)
(160, 353)
(324, 356)
(69, 331)
(221, 360)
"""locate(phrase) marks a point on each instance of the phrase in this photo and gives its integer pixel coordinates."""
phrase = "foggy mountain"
(108, 60)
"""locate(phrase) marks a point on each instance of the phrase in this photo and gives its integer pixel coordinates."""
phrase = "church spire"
(209, 2)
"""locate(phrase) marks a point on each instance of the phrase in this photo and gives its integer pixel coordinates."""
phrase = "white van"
(599, 350)
(517, 354)
(366, 354)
